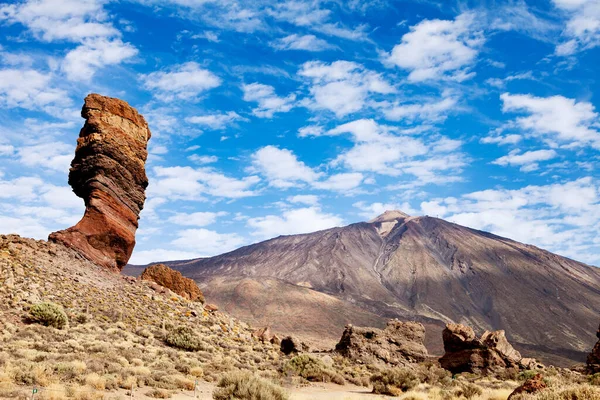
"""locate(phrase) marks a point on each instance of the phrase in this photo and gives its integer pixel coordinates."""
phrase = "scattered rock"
(290, 345)
(211, 308)
(275, 340)
(531, 386)
(400, 343)
(264, 334)
(593, 359)
(174, 281)
(108, 173)
(467, 353)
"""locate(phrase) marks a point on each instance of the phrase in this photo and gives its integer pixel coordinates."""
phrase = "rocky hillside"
(419, 268)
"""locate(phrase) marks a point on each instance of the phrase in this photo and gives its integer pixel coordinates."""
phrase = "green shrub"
(184, 338)
(48, 314)
(573, 392)
(244, 385)
(595, 379)
(312, 369)
(527, 374)
(393, 381)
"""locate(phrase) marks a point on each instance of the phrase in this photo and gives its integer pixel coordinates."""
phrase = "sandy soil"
(312, 392)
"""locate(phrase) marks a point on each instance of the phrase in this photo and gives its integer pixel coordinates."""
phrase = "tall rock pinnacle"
(108, 173)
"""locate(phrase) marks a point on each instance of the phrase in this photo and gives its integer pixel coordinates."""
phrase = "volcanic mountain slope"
(430, 270)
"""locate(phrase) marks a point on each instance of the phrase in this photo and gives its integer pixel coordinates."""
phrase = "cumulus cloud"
(342, 87)
(82, 62)
(372, 210)
(295, 221)
(308, 199)
(207, 243)
(196, 219)
(268, 101)
(29, 89)
(216, 121)
(582, 30)
(301, 42)
(192, 183)
(282, 168)
(185, 81)
(55, 156)
(528, 161)
(556, 118)
(439, 49)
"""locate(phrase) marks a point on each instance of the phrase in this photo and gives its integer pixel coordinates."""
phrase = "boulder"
(264, 334)
(173, 280)
(531, 386)
(108, 173)
(400, 343)
(593, 359)
(465, 352)
(290, 345)
(211, 308)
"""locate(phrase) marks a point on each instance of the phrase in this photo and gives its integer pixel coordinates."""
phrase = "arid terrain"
(412, 268)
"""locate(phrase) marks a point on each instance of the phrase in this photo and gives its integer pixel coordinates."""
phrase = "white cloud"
(528, 160)
(555, 118)
(216, 121)
(185, 81)
(308, 199)
(6, 150)
(56, 156)
(82, 62)
(311, 130)
(53, 20)
(428, 110)
(282, 168)
(206, 242)
(439, 49)
(342, 87)
(29, 89)
(143, 257)
(295, 221)
(268, 101)
(341, 182)
(196, 219)
(301, 42)
(203, 159)
(191, 184)
(502, 139)
(582, 30)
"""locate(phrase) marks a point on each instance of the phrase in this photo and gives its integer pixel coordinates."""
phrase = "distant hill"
(418, 268)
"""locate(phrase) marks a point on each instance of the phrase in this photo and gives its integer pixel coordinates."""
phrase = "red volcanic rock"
(531, 386)
(264, 334)
(211, 308)
(108, 173)
(173, 280)
(593, 359)
(467, 353)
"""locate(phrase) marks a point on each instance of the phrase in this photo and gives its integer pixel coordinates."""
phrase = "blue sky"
(285, 117)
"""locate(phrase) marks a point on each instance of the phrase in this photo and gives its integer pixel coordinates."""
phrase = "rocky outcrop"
(400, 343)
(492, 352)
(173, 280)
(593, 359)
(291, 345)
(108, 173)
(531, 386)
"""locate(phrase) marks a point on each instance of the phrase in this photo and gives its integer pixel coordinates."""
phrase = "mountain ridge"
(431, 270)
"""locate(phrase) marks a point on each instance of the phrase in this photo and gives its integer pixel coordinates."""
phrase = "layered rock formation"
(173, 280)
(108, 173)
(400, 343)
(593, 359)
(465, 352)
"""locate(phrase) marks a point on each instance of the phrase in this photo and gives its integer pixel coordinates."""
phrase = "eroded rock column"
(108, 173)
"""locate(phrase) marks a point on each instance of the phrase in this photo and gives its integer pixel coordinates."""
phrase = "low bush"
(394, 381)
(48, 314)
(312, 369)
(243, 385)
(573, 392)
(184, 338)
